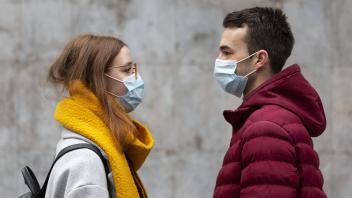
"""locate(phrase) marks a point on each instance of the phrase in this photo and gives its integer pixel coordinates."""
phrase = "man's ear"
(262, 58)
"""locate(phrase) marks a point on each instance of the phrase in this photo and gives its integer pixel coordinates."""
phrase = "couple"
(271, 151)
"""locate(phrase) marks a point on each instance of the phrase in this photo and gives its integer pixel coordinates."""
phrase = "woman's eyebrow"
(128, 63)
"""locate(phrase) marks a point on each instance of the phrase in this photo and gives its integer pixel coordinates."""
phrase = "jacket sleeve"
(311, 178)
(268, 162)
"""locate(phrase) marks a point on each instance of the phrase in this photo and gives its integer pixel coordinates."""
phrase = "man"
(271, 151)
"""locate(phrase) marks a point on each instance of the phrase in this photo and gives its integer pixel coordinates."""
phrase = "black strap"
(71, 148)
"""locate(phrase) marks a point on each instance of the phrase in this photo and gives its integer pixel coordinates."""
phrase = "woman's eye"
(127, 69)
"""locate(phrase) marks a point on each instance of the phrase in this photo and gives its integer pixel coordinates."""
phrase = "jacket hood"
(290, 90)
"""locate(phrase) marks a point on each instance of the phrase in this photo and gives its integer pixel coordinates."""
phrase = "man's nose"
(220, 56)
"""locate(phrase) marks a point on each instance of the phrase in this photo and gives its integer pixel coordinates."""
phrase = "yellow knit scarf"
(82, 113)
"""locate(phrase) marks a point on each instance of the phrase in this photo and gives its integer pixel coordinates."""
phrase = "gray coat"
(79, 173)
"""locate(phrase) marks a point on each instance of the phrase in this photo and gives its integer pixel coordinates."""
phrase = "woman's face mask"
(135, 89)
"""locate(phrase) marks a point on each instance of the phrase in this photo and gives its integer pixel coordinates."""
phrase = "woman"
(103, 86)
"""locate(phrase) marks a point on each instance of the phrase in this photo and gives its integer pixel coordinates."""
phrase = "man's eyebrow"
(224, 47)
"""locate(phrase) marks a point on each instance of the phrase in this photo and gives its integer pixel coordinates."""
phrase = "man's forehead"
(234, 37)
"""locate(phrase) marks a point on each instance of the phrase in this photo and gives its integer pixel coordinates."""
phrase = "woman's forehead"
(123, 58)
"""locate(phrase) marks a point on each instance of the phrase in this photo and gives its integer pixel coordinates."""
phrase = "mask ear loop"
(111, 93)
(113, 78)
(247, 57)
(250, 73)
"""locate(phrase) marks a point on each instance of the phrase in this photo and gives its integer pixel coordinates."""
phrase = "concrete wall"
(175, 42)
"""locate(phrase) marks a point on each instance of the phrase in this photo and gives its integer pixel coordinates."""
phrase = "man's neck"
(253, 83)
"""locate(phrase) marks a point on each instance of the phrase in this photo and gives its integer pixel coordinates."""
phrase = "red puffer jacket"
(271, 151)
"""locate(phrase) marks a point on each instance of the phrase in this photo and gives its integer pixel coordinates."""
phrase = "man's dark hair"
(268, 30)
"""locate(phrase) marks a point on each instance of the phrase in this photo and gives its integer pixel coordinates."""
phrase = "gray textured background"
(175, 42)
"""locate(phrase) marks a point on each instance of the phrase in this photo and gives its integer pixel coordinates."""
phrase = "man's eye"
(226, 53)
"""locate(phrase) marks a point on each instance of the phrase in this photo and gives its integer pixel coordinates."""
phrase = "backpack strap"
(72, 148)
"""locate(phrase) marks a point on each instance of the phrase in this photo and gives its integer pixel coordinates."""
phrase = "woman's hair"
(86, 58)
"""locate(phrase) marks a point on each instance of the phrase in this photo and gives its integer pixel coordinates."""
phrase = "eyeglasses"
(132, 70)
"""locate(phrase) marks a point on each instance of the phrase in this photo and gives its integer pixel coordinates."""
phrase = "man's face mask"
(225, 74)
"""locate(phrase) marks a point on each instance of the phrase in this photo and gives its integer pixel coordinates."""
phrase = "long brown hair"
(86, 58)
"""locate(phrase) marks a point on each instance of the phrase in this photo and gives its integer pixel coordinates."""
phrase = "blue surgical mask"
(134, 95)
(225, 74)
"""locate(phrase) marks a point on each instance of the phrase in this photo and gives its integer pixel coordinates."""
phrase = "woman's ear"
(262, 59)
